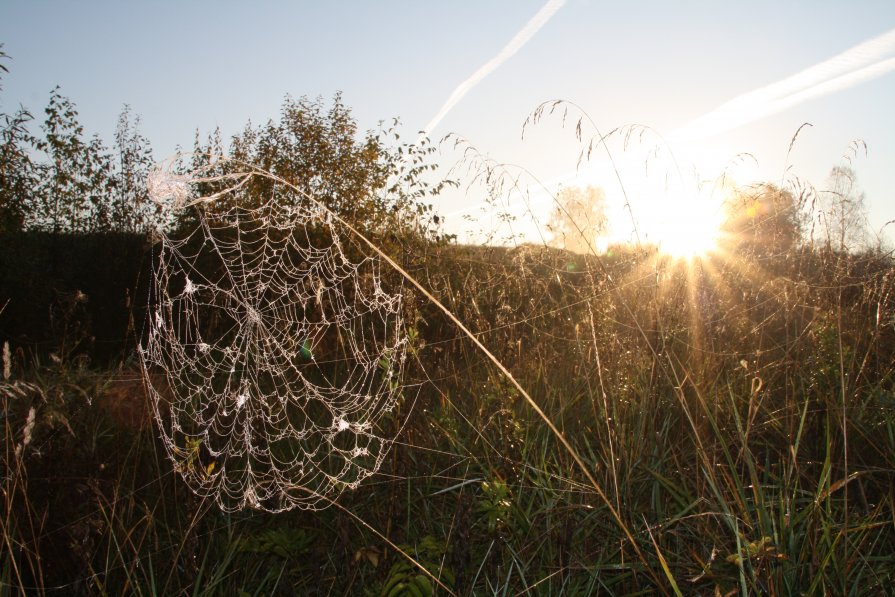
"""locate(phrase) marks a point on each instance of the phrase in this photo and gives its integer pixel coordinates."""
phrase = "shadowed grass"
(746, 440)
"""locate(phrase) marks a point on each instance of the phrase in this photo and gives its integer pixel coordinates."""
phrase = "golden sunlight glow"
(684, 223)
(675, 201)
(688, 214)
(688, 229)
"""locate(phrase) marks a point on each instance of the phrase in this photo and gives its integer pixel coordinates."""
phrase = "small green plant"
(496, 507)
(406, 580)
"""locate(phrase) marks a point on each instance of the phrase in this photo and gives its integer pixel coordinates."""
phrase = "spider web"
(280, 353)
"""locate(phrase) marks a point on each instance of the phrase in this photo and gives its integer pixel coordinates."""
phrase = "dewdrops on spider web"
(280, 349)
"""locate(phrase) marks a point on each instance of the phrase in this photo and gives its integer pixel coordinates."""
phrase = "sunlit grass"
(726, 383)
(716, 429)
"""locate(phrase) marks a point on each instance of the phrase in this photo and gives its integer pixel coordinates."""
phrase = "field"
(723, 425)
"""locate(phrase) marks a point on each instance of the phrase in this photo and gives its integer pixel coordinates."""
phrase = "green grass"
(748, 446)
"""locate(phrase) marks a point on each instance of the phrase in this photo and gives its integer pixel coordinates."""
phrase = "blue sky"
(188, 65)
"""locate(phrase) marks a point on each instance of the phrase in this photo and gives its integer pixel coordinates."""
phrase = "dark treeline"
(76, 217)
(74, 295)
(55, 178)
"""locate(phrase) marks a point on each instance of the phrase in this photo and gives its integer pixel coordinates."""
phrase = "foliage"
(74, 180)
(764, 220)
(406, 580)
(17, 171)
(17, 175)
(578, 219)
(841, 216)
(372, 180)
(131, 209)
(62, 182)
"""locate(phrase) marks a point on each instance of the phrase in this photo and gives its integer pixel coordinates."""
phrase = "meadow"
(723, 425)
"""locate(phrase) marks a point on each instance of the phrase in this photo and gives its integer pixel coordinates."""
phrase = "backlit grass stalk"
(241, 179)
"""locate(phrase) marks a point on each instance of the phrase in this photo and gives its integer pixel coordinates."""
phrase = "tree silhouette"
(17, 170)
(578, 219)
(369, 180)
(842, 217)
(763, 221)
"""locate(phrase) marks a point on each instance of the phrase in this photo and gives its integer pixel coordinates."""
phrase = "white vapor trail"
(864, 62)
(514, 45)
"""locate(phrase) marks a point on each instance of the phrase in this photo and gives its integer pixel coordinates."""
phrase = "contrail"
(515, 44)
(864, 62)
(859, 64)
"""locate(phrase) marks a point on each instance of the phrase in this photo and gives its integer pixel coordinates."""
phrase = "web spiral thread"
(279, 352)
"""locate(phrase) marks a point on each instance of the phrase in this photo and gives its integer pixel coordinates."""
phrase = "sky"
(707, 81)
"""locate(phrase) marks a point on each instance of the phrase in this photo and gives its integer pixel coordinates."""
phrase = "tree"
(75, 182)
(842, 216)
(763, 220)
(369, 180)
(578, 219)
(17, 171)
(79, 187)
(131, 209)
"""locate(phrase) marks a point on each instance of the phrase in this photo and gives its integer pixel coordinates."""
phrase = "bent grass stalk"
(241, 180)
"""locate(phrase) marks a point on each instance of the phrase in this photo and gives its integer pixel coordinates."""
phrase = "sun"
(686, 227)
(690, 234)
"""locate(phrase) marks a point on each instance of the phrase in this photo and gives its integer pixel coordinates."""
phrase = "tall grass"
(722, 426)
